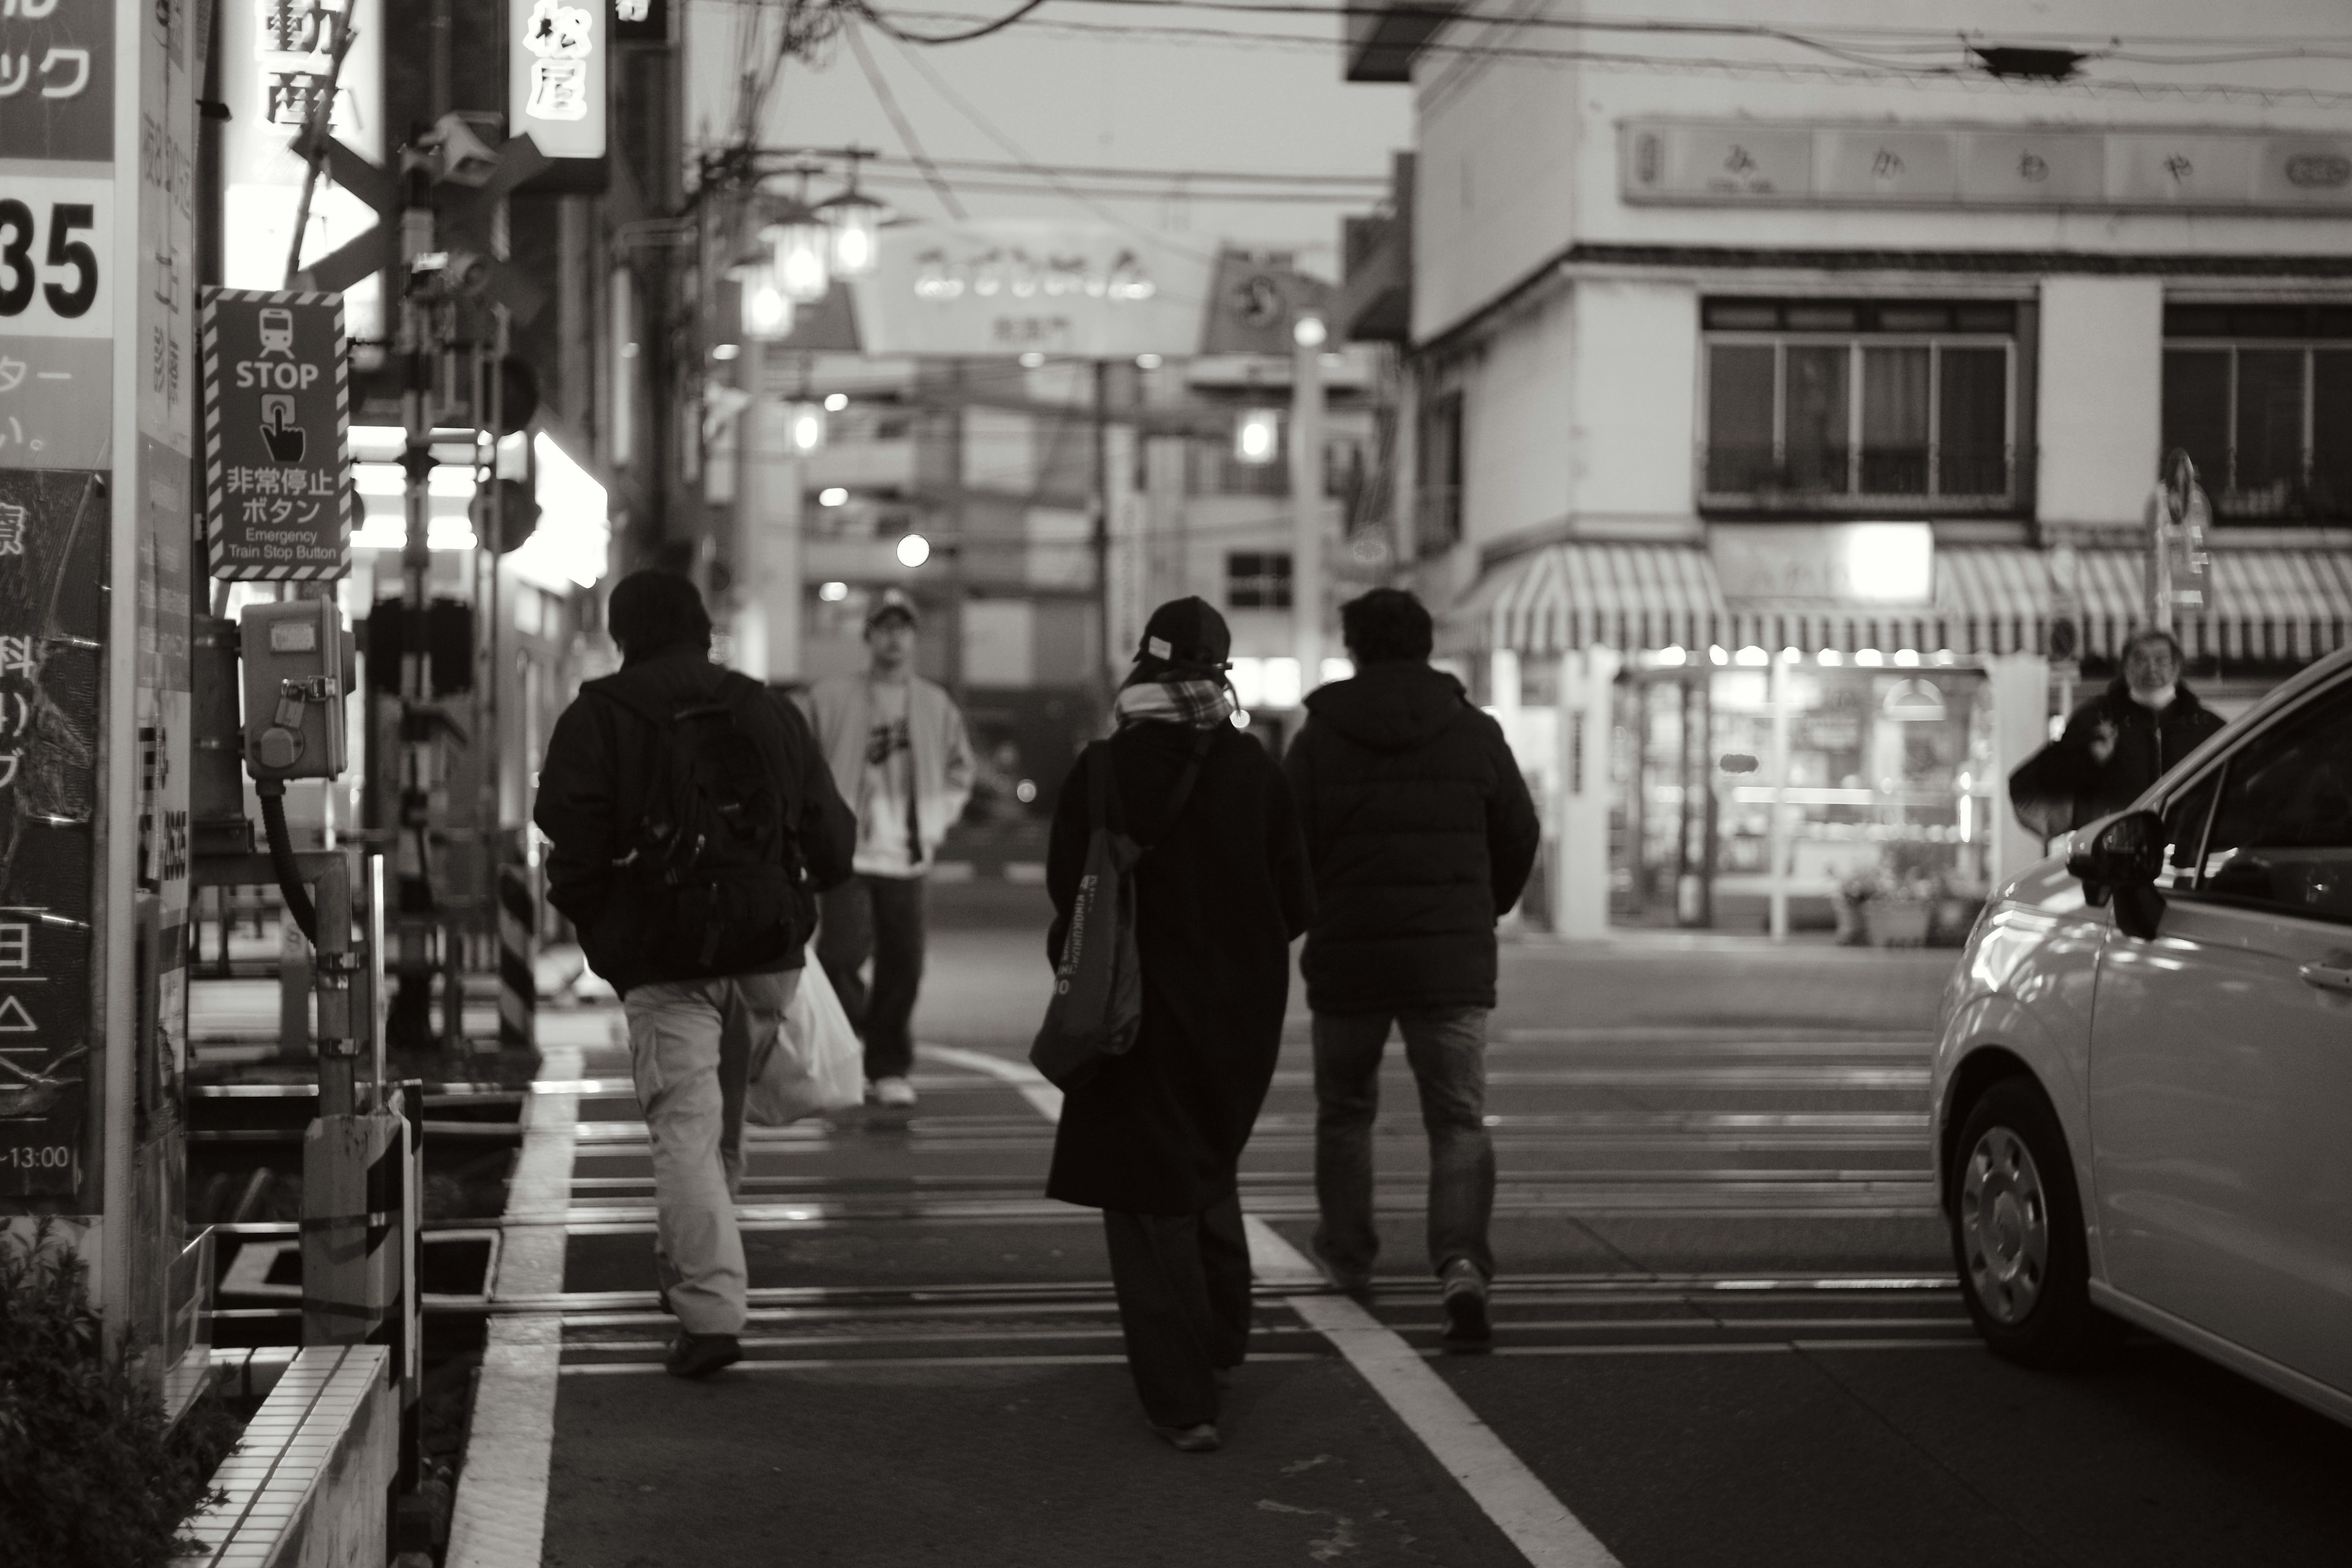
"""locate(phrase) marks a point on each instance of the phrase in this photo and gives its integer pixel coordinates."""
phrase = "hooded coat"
(1421, 832)
(1220, 893)
(2063, 786)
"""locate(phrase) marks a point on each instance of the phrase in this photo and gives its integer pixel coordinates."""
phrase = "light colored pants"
(691, 1043)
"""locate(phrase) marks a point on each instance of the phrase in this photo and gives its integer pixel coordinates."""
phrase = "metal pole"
(412, 1009)
(1307, 510)
(1107, 670)
(1776, 836)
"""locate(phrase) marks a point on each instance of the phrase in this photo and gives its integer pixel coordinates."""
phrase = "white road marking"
(1521, 1506)
(499, 1516)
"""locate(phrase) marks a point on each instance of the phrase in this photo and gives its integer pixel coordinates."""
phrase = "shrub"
(90, 1472)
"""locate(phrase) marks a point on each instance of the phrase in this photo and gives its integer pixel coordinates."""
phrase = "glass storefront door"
(1889, 790)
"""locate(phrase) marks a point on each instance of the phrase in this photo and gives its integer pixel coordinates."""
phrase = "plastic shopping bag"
(816, 1063)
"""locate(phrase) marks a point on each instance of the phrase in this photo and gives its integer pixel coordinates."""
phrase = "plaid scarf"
(1198, 704)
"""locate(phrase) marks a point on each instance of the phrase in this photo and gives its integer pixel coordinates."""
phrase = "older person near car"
(2117, 743)
(1154, 1138)
(1422, 834)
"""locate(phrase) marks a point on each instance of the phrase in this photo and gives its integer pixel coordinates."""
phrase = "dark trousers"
(1446, 1047)
(1183, 1285)
(880, 918)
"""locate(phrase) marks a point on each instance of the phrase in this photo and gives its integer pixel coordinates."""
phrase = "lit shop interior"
(1888, 784)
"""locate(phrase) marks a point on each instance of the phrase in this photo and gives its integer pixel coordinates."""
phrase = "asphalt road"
(1727, 1331)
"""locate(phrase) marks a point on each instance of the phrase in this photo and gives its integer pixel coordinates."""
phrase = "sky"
(1050, 91)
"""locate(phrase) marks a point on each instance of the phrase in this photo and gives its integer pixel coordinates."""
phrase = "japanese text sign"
(57, 79)
(278, 497)
(555, 87)
(53, 565)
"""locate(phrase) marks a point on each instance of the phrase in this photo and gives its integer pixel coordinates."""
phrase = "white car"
(2143, 1086)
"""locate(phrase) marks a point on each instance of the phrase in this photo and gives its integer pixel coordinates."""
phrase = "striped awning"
(1622, 595)
(2284, 606)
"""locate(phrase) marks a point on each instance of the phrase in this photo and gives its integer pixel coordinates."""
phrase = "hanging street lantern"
(767, 309)
(856, 220)
(801, 248)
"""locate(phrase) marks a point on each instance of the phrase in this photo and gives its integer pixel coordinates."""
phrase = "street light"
(856, 219)
(1308, 332)
(801, 245)
(914, 550)
(805, 427)
(767, 309)
(1258, 436)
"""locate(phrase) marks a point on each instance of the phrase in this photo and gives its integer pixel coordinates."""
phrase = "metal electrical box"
(296, 671)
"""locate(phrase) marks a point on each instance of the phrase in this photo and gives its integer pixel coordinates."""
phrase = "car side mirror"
(2122, 860)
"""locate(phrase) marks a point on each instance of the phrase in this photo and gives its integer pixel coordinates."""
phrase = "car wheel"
(2018, 1238)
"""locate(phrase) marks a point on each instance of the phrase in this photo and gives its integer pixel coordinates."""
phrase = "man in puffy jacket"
(1421, 832)
(694, 1026)
(2116, 745)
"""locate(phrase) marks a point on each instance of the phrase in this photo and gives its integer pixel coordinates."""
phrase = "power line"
(1836, 39)
(1133, 194)
(874, 78)
(988, 128)
(981, 31)
(1965, 78)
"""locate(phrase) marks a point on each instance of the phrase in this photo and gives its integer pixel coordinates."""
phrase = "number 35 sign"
(56, 238)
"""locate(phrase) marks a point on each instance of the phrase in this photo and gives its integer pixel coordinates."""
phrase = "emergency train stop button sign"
(277, 492)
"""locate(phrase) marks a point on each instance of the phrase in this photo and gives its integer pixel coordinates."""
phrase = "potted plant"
(1893, 903)
(91, 1473)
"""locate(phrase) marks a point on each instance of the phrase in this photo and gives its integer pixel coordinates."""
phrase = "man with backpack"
(899, 756)
(691, 822)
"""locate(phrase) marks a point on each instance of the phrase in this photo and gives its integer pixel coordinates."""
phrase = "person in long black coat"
(2115, 744)
(1155, 1138)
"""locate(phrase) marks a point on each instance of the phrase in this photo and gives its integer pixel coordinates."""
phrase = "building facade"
(1784, 428)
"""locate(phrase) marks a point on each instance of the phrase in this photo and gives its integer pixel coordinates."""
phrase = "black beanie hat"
(1188, 633)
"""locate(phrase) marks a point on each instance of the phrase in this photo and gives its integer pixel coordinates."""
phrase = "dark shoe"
(1200, 1439)
(1348, 1282)
(1467, 1328)
(699, 1355)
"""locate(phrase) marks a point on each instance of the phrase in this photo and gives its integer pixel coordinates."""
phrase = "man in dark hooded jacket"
(699, 1012)
(2115, 744)
(1421, 832)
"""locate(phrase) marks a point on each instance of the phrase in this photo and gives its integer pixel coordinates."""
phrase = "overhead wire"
(987, 127)
(981, 31)
(923, 161)
(1966, 77)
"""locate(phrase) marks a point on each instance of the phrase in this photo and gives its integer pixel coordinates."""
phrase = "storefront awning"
(2286, 605)
(2263, 605)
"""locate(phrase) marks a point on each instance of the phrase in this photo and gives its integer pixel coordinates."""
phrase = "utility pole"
(1307, 498)
(1108, 668)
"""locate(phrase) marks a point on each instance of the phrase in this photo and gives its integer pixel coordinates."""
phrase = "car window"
(2281, 827)
(2185, 816)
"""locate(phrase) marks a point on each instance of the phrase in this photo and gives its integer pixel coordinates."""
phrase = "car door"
(2220, 1083)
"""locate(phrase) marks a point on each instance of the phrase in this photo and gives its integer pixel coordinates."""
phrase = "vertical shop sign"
(556, 88)
(53, 561)
(278, 497)
(59, 298)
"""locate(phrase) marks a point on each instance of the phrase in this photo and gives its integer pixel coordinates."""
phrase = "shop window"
(2261, 399)
(1859, 405)
(1437, 514)
(1257, 580)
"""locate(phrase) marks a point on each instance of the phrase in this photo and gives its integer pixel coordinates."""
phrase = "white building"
(1775, 401)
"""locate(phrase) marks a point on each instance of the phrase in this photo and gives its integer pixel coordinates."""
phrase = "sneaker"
(699, 1355)
(1203, 1438)
(893, 1093)
(1467, 1328)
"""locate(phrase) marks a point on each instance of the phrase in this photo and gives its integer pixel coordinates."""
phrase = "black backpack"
(713, 861)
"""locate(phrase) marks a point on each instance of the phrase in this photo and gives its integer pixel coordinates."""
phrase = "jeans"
(1447, 1049)
(879, 918)
(1183, 1287)
(690, 1047)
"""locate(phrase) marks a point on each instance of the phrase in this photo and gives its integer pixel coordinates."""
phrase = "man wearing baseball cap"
(900, 755)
